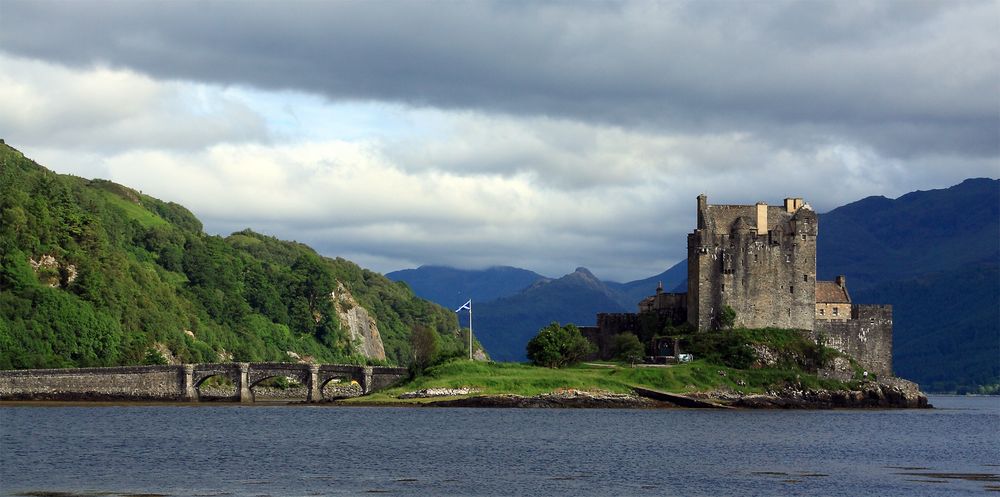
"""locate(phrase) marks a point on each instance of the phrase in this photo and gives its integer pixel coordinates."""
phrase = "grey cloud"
(49, 106)
(907, 78)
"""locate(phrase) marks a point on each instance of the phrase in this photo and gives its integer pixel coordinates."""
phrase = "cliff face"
(362, 326)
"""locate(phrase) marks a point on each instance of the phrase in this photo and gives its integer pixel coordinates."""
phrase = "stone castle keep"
(760, 261)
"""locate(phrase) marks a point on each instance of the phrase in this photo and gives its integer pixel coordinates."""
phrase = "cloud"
(625, 216)
(903, 78)
(112, 110)
(546, 136)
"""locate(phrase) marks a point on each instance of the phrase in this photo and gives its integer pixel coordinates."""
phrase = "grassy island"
(493, 378)
(731, 367)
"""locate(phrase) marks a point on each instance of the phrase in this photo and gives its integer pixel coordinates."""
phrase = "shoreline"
(880, 395)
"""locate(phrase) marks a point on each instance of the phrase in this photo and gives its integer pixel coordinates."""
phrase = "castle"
(760, 261)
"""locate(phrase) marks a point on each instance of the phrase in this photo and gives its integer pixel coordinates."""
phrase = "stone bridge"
(181, 382)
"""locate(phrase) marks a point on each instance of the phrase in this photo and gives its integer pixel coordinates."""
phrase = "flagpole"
(468, 305)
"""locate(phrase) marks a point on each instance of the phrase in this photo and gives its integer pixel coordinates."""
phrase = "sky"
(542, 135)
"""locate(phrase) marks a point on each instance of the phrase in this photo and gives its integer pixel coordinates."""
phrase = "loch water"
(230, 450)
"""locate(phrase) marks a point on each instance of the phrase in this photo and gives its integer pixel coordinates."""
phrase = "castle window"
(791, 289)
(821, 312)
(836, 311)
(788, 257)
(723, 287)
(805, 277)
(803, 236)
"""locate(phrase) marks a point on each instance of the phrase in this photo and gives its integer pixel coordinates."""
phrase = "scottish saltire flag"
(467, 305)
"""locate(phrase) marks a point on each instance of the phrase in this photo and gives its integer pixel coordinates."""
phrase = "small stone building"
(832, 300)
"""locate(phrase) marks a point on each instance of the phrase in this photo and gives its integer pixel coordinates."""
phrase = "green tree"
(559, 346)
(425, 344)
(628, 348)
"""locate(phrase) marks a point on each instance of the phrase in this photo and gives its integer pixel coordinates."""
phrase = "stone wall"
(867, 336)
(124, 383)
(830, 311)
(608, 326)
(386, 377)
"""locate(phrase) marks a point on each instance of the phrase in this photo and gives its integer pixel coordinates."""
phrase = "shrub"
(727, 318)
(628, 348)
(558, 346)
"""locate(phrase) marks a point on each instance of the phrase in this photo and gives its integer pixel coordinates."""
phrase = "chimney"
(702, 206)
(761, 218)
(659, 288)
(799, 203)
(841, 281)
(789, 205)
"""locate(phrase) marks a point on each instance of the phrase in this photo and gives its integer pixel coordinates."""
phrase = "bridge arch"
(261, 372)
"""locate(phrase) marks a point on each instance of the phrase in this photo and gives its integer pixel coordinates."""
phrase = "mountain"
(935, 256)
(922, 232)
(452, 287)
(505, 325)
(93, 273)
(673, 280)
(511, 304)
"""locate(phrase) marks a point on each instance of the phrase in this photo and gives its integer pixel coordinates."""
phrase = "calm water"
(301, 451)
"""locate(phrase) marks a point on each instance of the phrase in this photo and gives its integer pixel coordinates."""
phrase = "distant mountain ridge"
(452, 287)
(505, 325)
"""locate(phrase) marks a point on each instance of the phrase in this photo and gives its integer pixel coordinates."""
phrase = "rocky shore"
(890, 393)
(560, 398)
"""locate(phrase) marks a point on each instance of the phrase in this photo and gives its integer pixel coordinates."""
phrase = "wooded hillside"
(93, 273)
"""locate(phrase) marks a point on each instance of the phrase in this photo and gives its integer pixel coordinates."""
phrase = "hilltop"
(94, 273)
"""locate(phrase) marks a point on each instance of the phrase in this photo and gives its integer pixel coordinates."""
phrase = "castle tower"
(760, 260)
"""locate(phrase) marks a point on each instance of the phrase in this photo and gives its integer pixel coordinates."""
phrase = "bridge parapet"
(180, 382)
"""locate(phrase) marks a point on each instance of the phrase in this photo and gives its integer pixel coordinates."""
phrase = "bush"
(628, 348)
(726, 349)
(727, 318)
(559, 346)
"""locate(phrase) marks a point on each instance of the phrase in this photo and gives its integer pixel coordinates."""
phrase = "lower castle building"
(758, 263)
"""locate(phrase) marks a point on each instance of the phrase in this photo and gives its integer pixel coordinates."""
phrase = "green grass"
(522, 379)
(140, 214)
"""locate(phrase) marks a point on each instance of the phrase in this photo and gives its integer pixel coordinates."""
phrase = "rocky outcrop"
(887, 393)
(356, 320)
(165, 353)
(53, 273)
(438, 392)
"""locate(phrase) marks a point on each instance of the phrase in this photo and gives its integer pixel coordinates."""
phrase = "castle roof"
(829, 292)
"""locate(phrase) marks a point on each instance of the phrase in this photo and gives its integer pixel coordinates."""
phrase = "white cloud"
(110, 110)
